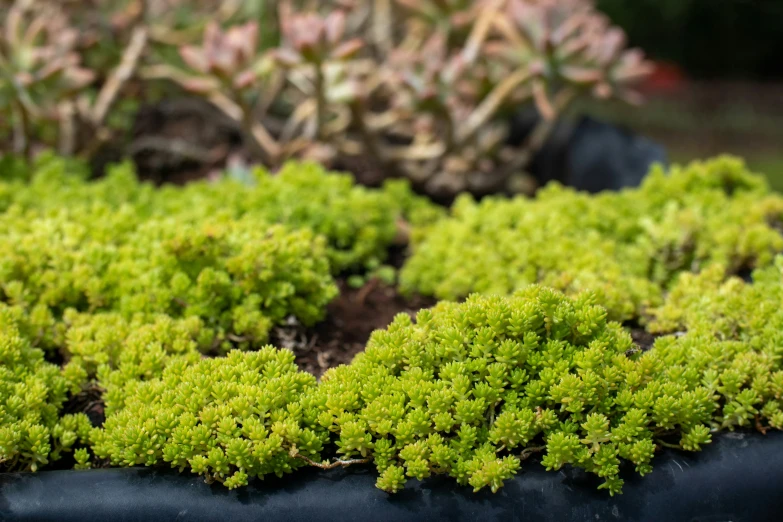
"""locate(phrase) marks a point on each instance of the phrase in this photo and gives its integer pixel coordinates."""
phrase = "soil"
(642, 338)
(350, 320)
(90, 402)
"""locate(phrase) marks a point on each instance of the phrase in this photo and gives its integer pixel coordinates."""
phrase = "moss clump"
(358, 223)
(627, 247)
(32, 392)
(731, 333)
(133, 287)
(240, 277)
(228, 419)
(470, 389)
(115, 351)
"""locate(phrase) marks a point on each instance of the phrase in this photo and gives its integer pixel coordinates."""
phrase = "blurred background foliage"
(719, 84)
(715, 88)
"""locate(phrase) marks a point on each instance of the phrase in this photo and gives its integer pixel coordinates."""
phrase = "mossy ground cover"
(165, 300)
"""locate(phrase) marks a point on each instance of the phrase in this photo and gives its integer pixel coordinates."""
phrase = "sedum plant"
(116, 350)
(51, 96)
(358, 223)
(421, 90)
(32, 392)
(628, 247)
(470, 390)
(127, 279)
(239, 277)
(730, 331)
(228, 419)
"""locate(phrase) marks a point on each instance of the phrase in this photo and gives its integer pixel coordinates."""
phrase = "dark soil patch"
(351, 318)
(90, 402)
(643, 339)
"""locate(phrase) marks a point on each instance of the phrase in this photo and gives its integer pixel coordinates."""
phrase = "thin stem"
(382, 24)
(480, 31)
(332, 465)
(358, 111)
(668, 444)
(490, 104)
(262, 144)
(541, 133)
(760, 427)
(175, 146)
(21, 130)
(320, 100)
(120, 76)
(545, 127)
(527, 452)
(67, 120)
(260, 140)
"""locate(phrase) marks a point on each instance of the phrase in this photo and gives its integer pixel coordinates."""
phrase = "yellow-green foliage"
(133, 284)
(731, 332)
(358, 223)
(626, 246)
(239, 276)
(468, 389)
(32, 392)
(125, 280)
(228, 418)
(117, 351)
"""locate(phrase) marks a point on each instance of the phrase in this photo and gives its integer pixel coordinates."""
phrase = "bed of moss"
(164, 300)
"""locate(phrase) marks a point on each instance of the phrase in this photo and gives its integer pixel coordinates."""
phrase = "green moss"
(471, 389)
(228, 419)
(32, 391)
(626, 246)
(358, 223)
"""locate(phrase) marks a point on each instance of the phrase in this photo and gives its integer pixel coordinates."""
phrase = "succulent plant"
(39, 67)
(567, 44)
(310, 38)
(230, 57)
(419, 89)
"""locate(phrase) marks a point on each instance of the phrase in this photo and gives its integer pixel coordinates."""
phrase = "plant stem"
(382, 25)
(263, 146)
(668, 444)
(21, 130)
(527, 452)
(120, 76)
(332, 465)
(67, 120)
(358, 111)
(480, 31)
(320, 101)
(491, 103)
(545, 127)
(540, 135)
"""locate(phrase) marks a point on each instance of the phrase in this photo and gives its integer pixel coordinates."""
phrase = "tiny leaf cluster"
(32, 392)
(123, 279)
(229, 419)
(359, 223)
(134, 285)
(239, 277)
(470, 390)
(729, 331)
(626, 246)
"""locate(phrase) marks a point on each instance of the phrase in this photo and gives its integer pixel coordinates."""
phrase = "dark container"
(737, 478)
